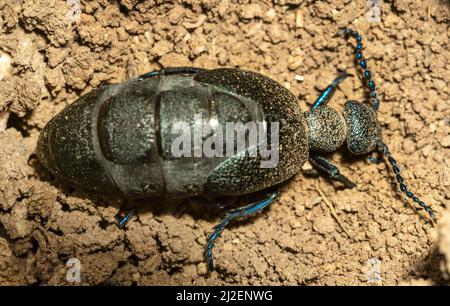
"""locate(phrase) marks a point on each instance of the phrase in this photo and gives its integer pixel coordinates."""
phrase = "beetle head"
(363, 129)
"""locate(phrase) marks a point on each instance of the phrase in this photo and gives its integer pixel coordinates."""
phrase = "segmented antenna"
(362, 62)
(382, 148)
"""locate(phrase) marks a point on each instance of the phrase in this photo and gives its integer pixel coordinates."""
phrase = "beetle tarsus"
(344, 180)
(234, 214)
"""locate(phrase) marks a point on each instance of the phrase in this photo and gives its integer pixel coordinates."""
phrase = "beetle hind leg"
(234, 214)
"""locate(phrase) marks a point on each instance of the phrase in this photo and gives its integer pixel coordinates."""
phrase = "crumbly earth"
(59, 53)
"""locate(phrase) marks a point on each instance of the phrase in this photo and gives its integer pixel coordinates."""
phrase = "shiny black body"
(116, 139)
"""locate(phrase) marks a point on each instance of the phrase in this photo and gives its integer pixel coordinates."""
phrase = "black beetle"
(117, 139)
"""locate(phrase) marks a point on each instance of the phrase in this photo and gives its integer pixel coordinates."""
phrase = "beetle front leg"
(326, 95)
(333, 171)
(234, 214)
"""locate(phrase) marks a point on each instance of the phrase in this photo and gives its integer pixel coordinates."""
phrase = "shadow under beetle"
(117, 139)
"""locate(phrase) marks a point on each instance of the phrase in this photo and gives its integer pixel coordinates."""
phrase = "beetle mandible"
(117, 139)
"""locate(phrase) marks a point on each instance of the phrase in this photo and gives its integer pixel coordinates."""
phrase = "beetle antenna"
(383, 148)
(362, 62)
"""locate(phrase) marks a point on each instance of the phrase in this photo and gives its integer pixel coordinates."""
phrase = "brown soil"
(296, 240)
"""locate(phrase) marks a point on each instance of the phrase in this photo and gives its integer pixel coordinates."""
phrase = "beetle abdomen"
(120, 139)
(67, 148)
(195, 112)
(116, 127)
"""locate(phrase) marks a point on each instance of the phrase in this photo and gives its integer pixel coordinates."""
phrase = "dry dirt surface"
(59, 50)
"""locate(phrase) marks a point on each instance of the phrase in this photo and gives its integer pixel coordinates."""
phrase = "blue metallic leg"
(124, 220)
(233, 214)
(170, 71)
(331, 170)
(326, 95)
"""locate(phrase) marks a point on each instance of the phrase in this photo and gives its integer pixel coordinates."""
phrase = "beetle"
(117, 139)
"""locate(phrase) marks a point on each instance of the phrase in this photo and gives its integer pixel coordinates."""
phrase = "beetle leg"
(124, 219)
(333, 172)
(233, 214)
(170, 71)
(326, 95)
